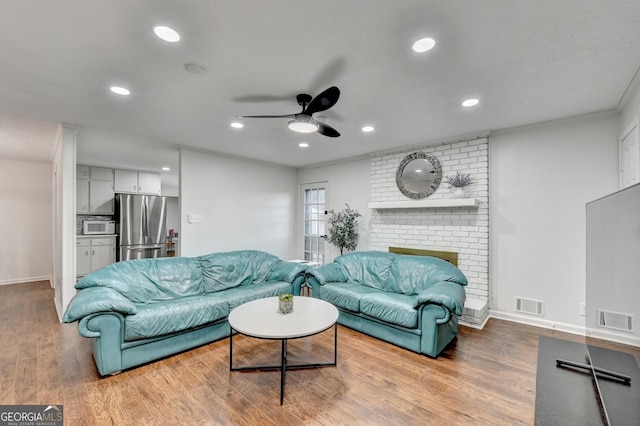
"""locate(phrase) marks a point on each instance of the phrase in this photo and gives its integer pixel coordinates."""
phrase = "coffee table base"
(283, 367)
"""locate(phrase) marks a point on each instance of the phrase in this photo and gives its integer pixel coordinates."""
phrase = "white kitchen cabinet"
(94, 252)
(101, 173)
(82, 172)
(126, 181)
(149, 183)
(101, 196)
(94, 190)
(82, 195)
(134, 182)
(83, 256)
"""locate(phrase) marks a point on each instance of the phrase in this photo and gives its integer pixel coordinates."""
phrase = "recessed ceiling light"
(303, 145)
(368, 129)
(237, 125)
(166, 169)
(470, 102)
(166, 33)
(120, 90)
(424, 45)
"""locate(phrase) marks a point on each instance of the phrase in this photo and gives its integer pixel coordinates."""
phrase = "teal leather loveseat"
(138, 311)
(410, 301)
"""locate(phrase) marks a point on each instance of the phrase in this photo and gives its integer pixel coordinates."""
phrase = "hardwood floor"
(485, 377)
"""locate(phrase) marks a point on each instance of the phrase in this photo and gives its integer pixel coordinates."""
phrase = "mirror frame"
(437, 169)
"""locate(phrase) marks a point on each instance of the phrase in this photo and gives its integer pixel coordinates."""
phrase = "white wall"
(347, 183)
(245, 205)
(26, 221)
(541, 177)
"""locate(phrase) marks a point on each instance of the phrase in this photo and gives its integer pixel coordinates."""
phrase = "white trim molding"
(28, 280)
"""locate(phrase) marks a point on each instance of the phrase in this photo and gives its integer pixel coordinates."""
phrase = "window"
(313, 207)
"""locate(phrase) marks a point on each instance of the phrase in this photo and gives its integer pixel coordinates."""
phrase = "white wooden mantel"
(426, 204)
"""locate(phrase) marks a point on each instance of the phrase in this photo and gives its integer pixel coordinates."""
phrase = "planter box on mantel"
(426, 204)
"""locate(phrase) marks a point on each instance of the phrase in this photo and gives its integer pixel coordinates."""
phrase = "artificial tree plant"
(343, 229)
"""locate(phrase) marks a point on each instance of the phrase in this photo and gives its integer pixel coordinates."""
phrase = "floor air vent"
(529, 306)
(615, 320)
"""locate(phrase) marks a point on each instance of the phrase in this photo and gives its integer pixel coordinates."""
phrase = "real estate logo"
(31, 415)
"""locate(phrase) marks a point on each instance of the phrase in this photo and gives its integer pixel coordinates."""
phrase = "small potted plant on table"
(285, 303)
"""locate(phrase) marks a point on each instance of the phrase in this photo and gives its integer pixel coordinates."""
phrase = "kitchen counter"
(97, 236)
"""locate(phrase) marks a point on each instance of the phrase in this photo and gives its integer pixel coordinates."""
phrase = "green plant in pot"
(459, 183)
(343, 229)
(285, 303)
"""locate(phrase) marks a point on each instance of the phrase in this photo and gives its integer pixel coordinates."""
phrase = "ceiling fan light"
(424, 45)
(303, 126)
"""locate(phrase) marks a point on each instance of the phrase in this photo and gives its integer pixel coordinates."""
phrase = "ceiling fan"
(303, 122)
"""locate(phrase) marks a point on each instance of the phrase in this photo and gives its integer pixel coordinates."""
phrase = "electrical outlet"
(583, 309)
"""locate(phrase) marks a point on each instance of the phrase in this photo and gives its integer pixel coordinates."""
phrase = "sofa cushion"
(149, 280)
(221, 271)
(242, 294)
(345, 295)
(165, 317)
(411, 275)
(389, 307)
(370, 269)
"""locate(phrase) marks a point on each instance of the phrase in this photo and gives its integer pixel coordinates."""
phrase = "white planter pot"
(460, 193)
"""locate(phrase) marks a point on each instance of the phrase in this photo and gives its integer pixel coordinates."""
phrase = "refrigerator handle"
(145, 220)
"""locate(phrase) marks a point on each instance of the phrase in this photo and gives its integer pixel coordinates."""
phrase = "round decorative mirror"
(419, 175)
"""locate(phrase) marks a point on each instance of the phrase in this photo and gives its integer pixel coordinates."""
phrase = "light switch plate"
(195, 218)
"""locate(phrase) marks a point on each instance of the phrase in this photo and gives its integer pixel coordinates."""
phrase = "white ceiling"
(527, 61)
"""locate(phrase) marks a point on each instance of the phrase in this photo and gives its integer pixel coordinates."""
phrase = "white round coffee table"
(261, 319)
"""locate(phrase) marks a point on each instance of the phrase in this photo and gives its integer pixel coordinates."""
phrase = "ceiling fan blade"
(325, 129)
(323, 101)
(263, 98)
(267, 116)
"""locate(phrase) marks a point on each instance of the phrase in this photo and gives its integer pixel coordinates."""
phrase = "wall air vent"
(615, 320)
(529, 306)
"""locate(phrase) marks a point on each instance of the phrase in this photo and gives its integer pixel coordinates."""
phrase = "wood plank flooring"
(485, 377)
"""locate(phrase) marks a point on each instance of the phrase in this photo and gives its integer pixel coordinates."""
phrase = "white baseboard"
(542, 323)
(56, 303)
(623, 338)
(28, 280)
(567, 328)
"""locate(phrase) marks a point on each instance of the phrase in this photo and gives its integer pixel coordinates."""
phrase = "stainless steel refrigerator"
(142, 227)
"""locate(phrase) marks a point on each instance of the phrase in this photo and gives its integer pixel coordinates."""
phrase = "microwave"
(98, 227)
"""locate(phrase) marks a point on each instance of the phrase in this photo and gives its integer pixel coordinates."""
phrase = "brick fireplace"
(458, 227)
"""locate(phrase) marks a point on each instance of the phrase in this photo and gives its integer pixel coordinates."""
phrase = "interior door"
(313, 221)
(630, 157)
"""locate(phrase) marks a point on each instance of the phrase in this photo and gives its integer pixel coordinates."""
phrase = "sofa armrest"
(329, 273)
(447, 294)
(98, 324)
(286, 271)
(97, 299)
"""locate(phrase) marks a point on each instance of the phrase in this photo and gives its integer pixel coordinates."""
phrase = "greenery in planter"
(286, 297)
(343, 229)
(460, 180)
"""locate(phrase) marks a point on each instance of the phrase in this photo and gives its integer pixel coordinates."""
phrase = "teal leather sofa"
(410, 301)
(138, 311)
